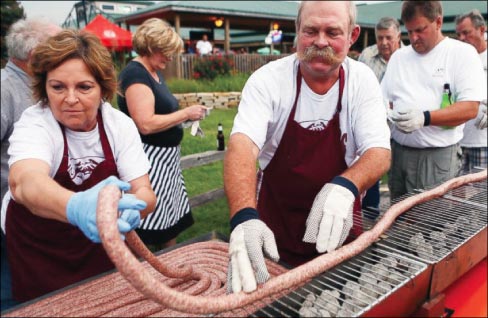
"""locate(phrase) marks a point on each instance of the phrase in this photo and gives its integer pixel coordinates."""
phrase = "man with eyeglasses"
(426, 136)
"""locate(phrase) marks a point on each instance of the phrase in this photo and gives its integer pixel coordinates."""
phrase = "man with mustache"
(316, 124)
(388, 40)
(426, 134)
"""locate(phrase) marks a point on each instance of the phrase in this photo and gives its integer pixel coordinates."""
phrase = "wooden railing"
(182, 65)
(200, 159)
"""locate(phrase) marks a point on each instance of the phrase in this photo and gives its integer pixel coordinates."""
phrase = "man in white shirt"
(204, 47)
(470, 28)
(316, 123)
(424, 152)
(388, 40)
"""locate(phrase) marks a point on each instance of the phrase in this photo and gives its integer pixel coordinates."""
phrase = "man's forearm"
(369, 168)
(240, 173)
(454, 115)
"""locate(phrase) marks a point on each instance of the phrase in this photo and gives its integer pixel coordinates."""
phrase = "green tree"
(10, 11)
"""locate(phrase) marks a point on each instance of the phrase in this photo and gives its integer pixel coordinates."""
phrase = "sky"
(57, 11)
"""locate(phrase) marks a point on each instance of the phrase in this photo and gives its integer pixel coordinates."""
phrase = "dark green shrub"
(228, 83)
(209, 67)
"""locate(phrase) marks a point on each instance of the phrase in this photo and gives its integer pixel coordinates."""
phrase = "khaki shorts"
(421, 168)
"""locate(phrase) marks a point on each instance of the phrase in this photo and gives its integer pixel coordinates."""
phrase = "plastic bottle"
(446, 100)
(220, 138)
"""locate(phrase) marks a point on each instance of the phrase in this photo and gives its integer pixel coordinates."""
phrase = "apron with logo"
(304, 162)
(45, 254)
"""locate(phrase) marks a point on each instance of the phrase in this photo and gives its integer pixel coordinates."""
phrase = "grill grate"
(349, 289)
(432, 230)
(423, 235)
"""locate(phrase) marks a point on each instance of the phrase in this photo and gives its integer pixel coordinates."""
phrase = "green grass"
(231, 83)
(213, 216)
(202, 179)
(195, 144)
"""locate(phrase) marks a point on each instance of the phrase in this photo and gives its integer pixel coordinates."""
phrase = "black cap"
(447, 86)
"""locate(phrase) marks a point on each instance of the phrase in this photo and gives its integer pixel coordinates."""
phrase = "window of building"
(124, 9)
(108, 7)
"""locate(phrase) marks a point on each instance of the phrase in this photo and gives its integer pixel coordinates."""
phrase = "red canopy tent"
(112, 36)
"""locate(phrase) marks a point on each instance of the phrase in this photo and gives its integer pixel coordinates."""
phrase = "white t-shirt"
(37, 135)
(204, 47)
(474, 137)
(268, 96)
(415, 80)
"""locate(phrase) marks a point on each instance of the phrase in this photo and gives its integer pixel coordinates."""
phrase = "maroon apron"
(45, 254)
(304, 162)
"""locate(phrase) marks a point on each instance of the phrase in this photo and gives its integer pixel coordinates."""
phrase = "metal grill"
(423, 252)
(349, 289)
(432, 230)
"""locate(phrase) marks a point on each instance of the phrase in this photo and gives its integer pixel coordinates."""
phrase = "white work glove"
(408, 121)
(389, 115)
(247, 267)
(330, 218)
(481, 118)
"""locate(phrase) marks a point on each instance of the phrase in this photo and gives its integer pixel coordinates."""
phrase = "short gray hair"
(25, 34)
(352, 15)
(387, 22)
(475, 17)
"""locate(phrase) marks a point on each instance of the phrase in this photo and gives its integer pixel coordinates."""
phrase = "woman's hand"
(196, 112)
(81, 209)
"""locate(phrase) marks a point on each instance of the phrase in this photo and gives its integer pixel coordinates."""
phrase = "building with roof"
(229, 24)
(236, 24)
(85, 11)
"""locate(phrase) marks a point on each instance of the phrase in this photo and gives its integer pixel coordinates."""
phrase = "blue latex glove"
(129, 218)
(81, 209)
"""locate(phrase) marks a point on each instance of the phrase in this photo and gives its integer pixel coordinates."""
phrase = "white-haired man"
(22, 37)
(388, 40)
(471, 28)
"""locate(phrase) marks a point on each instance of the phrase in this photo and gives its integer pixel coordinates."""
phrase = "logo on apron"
(80, 169)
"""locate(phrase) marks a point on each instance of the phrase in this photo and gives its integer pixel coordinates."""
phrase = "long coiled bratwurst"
(152, 288)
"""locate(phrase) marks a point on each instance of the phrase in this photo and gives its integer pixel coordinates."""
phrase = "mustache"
(328, 54)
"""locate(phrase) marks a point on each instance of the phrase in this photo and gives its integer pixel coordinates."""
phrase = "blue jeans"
(371, 201)
(6, 289)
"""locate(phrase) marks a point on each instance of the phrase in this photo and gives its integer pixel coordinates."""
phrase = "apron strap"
(299, 87)
(107, 151)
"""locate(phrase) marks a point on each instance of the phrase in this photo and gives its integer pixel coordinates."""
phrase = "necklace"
(151, 72)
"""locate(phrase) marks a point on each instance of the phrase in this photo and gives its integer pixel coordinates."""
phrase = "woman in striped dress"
(145, 97)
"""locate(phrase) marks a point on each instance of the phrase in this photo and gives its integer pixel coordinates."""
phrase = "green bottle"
(446, 100)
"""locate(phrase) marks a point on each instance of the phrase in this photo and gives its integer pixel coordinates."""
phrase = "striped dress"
(172, 214)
